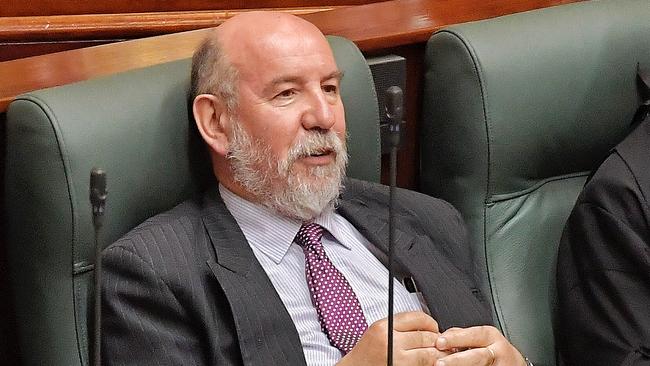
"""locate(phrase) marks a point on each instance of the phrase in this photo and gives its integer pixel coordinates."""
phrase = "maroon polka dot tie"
(338, 308)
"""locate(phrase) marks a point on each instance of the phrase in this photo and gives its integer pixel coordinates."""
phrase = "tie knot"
(309, 235)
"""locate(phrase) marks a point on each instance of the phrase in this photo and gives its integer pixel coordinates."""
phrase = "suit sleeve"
(142, 321)
(604, 277)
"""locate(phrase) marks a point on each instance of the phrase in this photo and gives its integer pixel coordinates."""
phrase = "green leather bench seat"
(517, 111)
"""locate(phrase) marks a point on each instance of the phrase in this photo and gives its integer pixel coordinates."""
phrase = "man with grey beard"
(255, 167)
(282, 263)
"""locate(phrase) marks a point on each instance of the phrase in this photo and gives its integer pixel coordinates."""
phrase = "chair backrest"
(135, 126)
(517, 111)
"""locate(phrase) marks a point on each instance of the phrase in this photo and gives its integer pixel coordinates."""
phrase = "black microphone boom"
(98, 195)
(394, 101)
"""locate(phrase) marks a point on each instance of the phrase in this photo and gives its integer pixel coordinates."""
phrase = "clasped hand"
(417, 341)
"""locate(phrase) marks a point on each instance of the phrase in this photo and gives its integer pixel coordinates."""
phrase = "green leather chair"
(135, 126)
(517, 111)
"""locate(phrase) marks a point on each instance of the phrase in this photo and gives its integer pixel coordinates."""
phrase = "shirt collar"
(269, 232)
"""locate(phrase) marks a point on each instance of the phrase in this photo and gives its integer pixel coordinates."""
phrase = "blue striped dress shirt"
(271, 239)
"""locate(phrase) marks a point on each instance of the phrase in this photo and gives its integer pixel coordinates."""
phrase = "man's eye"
(330, 89)
(286, 93)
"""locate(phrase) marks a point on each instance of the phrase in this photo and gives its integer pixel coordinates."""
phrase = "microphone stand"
(98, 195)
(394, 102)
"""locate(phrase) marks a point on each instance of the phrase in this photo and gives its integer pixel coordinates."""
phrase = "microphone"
(394, 101)
(98, 194)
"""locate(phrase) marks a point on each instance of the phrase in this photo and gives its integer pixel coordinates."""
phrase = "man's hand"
(414, 340)
(484, 346)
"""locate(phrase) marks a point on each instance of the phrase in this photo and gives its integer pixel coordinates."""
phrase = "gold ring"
(493, 357)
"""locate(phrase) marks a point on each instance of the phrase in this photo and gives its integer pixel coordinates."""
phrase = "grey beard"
(274, 183)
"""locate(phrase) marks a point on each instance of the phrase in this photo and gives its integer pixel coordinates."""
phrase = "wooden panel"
(394, 23)
(69, 7)
(124, 26)
(384, 25)
(13, 51)
(38, 35)
(39, 72)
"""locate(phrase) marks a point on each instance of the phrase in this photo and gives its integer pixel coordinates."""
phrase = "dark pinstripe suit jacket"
(184, 288)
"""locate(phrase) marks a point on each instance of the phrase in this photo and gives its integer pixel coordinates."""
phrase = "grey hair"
(212, 73)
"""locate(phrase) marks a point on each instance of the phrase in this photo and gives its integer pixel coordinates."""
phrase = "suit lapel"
(375, 228)
(264, 328)
(448, 296)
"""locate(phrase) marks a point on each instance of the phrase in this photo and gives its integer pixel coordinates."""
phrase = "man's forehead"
(277, 45)
(268, 78)
(276, 61)
(261, 36)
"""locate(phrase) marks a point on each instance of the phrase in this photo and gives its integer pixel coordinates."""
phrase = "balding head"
(256, 28)
(241, 44)
(250, 37)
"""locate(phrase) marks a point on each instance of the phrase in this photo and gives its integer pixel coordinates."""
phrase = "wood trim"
(14, 51)
(32, 73)
(14, 8)
(125, 26)
(372, 27)
(398, 23)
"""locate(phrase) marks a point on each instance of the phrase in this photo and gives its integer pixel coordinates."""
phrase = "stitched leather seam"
(508, 196)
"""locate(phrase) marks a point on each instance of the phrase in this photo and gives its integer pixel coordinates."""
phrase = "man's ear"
(211, 117)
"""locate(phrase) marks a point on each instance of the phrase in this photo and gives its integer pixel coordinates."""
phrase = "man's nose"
(320, 112)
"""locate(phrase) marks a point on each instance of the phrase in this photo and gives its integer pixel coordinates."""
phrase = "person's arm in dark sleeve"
(142, 321)
(603, 309)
